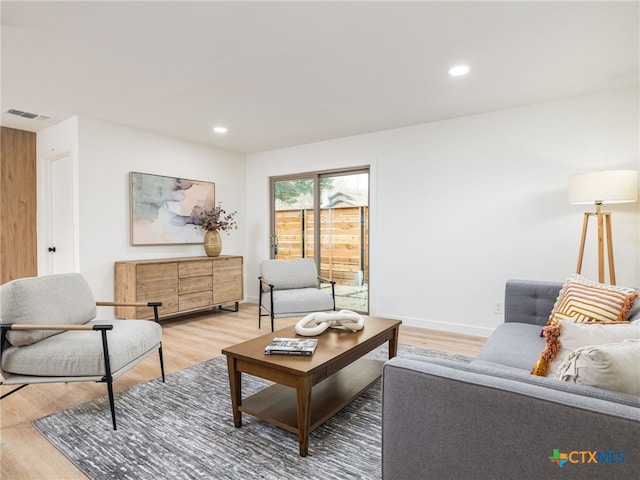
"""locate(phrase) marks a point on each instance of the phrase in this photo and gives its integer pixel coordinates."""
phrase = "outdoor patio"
(351, 298)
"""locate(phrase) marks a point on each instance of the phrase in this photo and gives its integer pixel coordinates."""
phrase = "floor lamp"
(613, 186)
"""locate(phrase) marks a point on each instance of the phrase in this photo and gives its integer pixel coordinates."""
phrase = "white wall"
(106, 154)
(460, 206)
(457, 207)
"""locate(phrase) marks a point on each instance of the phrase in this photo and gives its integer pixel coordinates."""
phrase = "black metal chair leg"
(107, 366)
(112, 403)
(271, 305)
(156, 317)
(161, 362)
(259, 303)
(333, 293)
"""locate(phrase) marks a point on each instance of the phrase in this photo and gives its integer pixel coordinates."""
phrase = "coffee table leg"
(235, 385)
(303, 392)
(393, 342)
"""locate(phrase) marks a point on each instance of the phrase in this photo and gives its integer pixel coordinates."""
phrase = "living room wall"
(462, 205)
(457, 207)
(103, 154)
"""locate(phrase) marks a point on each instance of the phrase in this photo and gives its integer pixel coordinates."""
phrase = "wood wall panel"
(18, 240)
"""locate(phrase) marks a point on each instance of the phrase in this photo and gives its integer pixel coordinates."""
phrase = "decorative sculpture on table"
(317, 322)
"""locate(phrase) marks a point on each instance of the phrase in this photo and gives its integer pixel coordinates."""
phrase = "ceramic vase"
(212, 243)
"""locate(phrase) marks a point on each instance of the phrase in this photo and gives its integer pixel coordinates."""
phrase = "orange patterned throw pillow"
(584, 301)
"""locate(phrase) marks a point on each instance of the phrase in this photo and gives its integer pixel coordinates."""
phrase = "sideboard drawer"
(195, 284)
(192, 301)
(195, 269)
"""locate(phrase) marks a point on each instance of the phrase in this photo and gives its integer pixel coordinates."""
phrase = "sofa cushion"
(516, 345)
(527, 301)
(585, 301)
(613, 366)
(48, 300)
(565, 336)
(77, 353)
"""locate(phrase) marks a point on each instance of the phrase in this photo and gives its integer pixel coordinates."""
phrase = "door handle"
(52, 249)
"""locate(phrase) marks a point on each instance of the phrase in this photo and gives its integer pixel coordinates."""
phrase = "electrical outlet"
(499, 306)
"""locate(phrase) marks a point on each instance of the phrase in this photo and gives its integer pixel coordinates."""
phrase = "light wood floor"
(25, 454)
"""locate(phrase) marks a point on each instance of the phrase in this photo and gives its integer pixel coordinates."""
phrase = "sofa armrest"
(529, 301)
(446, 420)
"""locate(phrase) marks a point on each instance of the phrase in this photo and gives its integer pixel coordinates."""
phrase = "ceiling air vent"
(21, 113)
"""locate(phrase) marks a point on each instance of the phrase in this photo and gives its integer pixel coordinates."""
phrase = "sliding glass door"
(325, 216)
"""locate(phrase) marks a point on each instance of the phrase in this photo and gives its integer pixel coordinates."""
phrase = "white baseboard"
(441, 326)
(462, 329)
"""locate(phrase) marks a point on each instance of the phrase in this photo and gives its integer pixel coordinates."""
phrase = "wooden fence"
(344, 241)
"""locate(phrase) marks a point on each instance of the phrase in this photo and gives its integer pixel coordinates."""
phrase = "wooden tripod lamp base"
(613, 186)
(604, 224)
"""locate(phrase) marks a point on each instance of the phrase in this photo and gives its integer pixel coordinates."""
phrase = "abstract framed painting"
(164, 209)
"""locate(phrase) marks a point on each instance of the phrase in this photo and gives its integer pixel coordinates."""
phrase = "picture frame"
(163, 210)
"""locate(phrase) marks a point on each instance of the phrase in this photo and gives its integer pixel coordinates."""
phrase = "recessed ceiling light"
(220, 129)
(459, 70)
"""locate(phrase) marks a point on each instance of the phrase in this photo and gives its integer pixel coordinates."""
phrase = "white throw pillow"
(573, 336)
(613, 366)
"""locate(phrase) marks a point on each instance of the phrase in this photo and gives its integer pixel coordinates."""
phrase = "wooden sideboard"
(183, 285)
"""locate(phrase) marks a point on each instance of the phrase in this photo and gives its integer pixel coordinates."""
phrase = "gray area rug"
(183, 429)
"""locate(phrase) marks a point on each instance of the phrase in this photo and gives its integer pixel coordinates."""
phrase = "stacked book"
(291, 346)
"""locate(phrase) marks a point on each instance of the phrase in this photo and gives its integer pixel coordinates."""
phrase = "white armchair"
(291, 288)
(50, 334)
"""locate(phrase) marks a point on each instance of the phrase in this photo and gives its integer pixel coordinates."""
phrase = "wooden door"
(18, 226)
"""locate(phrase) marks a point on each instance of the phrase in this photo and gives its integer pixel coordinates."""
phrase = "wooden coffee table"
(308, 390)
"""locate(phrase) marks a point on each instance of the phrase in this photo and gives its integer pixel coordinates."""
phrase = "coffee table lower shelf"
(277, 404)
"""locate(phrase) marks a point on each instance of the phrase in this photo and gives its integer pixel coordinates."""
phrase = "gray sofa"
(492, 419)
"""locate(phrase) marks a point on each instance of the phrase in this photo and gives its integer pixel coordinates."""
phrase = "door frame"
(316, 176)
(46, 222)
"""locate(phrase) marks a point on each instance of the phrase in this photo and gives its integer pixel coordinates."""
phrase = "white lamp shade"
(612, 186)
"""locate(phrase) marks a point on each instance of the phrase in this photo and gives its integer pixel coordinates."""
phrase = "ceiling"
(279, 74)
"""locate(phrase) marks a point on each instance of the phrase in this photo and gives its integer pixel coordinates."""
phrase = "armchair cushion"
(48, 300)
(289, 274)
(300, 301)
(78, 353)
